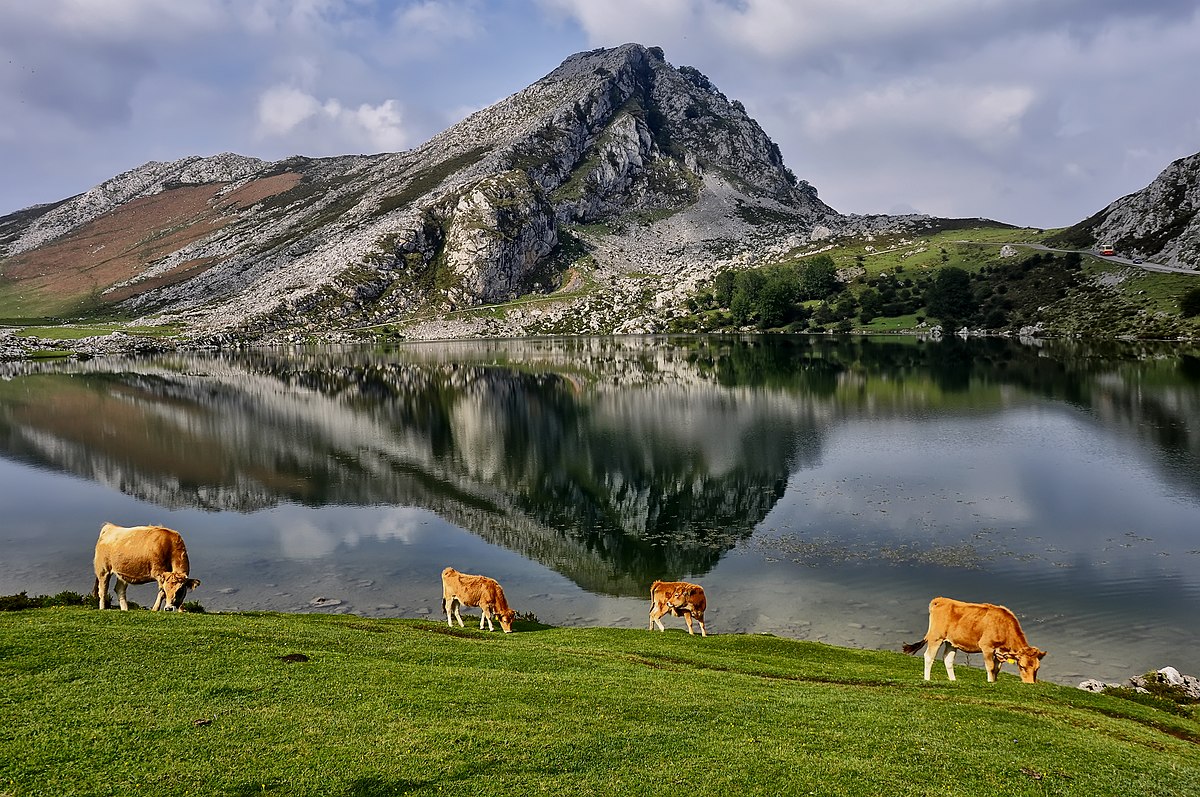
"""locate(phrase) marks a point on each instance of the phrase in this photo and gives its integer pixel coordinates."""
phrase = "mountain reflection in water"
(610, 461)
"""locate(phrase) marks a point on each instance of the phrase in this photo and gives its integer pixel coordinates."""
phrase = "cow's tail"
(913, 647)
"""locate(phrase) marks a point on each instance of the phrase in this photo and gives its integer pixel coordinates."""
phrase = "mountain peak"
(498, 205)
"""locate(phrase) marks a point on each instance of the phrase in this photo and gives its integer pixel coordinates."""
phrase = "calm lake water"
(819, 489)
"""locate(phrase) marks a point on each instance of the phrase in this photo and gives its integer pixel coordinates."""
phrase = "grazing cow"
(139, 555)
(977, 628)
(680, 598)
(486, 593)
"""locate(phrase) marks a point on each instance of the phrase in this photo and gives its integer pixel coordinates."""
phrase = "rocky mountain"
(522, 197)
(1160, 223)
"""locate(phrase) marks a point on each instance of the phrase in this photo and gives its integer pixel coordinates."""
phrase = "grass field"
(112, 703)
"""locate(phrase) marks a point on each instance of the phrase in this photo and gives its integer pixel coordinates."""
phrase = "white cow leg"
(931, 652)
(120, 590)
(950, 651)
(458, 615)
(990, 664)
(656, 619)
(158, 599)
(102, 588)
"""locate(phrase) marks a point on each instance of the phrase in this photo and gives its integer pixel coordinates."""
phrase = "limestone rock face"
(499, 231)
(1160, 223)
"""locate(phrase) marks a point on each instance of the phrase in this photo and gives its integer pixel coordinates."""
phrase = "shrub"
(1189, 303)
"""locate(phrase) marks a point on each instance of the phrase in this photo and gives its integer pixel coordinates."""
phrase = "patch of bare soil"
(120, 244)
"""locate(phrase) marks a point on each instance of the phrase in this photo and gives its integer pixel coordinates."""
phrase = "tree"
(776, 298)
(723, 288)
(747, 289)
(823, 314)
(1189, 303)
(818, 278)
(949, 296)
(870, 303)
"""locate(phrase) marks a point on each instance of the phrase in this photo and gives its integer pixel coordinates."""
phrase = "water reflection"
(575, 462)
(617, 461)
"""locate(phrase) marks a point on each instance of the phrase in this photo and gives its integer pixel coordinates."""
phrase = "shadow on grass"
(359, 787)
(472, 631)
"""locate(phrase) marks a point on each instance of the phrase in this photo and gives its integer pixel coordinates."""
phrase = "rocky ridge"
(648, 166)
(1161, 222)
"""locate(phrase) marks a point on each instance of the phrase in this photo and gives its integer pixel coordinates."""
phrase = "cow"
(486, 593)
(139, 555)
(977, 628)
(681, 599)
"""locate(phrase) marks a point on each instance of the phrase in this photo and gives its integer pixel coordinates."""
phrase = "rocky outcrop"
(1187, 687)
(500, 230)
(1160, 223)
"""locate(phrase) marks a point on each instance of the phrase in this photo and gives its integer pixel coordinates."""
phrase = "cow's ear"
(1041, 654)
(192, 583)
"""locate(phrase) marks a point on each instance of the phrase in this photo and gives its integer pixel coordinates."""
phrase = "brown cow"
(139, 555)
(486, 593)
(681, 599)
(977, 628)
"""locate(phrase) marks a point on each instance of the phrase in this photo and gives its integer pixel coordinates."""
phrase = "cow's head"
(1027, 659)
(506, 619)
(684, 597)
(175, 587)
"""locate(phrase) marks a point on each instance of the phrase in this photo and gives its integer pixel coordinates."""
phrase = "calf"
(486, 593)
(681, 599)
(977, 628)
(139, 555)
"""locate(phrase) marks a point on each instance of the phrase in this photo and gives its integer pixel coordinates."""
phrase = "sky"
(1031, 112)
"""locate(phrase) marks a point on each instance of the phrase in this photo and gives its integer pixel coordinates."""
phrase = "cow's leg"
(989, 663)
(700, 620)
(931, 650)
(458, 615)
(120, 587)
(687, 618)
(159, 598)
(102, 588)
(656, 611)
(447, 603)
(485, 613)
(950, 652)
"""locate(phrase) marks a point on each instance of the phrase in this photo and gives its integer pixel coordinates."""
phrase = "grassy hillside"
(886, 284)
(237, 704)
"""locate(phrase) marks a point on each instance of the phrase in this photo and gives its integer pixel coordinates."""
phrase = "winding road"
(1106, 258)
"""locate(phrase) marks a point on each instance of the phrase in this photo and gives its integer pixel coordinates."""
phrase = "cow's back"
(973, 623)
(140, 552)
(468, 589)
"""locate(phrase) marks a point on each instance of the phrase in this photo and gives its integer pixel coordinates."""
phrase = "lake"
(820, 488)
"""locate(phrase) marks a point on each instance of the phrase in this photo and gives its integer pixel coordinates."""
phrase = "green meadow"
(113, 703)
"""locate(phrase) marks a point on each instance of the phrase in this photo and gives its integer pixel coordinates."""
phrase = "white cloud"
(285, 110)
(982, 116)
(438, 19)
(282, 108)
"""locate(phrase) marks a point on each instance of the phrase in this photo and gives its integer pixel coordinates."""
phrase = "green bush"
(1189, 303)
